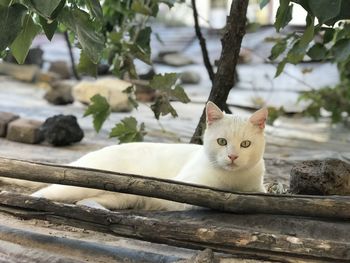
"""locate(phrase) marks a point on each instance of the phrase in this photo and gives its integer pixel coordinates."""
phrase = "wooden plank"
(265, 236)
(316, 206)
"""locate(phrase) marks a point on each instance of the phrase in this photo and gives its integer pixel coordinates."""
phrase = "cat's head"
(233, 142)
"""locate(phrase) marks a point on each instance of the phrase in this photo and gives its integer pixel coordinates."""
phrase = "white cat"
(231, 159)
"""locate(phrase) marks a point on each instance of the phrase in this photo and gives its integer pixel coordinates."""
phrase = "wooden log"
(77, 249)
(265, 236)
(316, 206)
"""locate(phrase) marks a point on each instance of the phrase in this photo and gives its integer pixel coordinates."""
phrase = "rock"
(145, 94)
(61, 130)
(26, 73)
(102, 69)
(176, 59)
(47, 77)
(34, 57)
(5, 119)
(61, 68)
(321, 177)
(190, 77)
(60, 93)
(24, 130)
(110, 88)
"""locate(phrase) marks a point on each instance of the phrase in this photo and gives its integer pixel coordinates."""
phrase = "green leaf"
(20, 46)
(130, 91)
(127, 131)
(11, 23)
(325, 9)
(283, 15)
(179, 93)
(317, 52)
(86, 65)
(162, 107)
(328, 35)
(95, 8)
(48, 26)
(341, 50)
(163, 82)
(278, 49)
(99, 109)
(139, 7)
(46, 8)
(89, 38)
(308, 34)
(280, 67)
(263, 3)
(5, 2)
(344, 13)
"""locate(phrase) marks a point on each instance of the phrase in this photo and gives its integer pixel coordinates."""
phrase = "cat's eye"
(222, 141)
(246, 144)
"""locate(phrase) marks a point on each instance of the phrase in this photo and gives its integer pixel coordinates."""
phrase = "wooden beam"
(314, 206)
(259, 236)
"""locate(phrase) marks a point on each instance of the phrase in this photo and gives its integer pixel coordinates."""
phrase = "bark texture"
(225, 77)
(282, 238)
(314, 206)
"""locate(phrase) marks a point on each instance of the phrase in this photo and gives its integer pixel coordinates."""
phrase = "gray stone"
(321, 177)
(190, 77)
(24, 130)
(61, 68)
(60, 93)
(5, 119)
(61, 130)
(27, 73)
(34, 57)
(176, 60)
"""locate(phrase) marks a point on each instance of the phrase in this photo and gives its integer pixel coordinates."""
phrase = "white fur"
(207, 165)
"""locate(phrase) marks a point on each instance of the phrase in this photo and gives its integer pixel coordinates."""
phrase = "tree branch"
(225, 76)
(202, 43)
(74, 69)
(332, 207)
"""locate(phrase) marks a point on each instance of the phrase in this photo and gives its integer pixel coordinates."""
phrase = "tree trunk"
(225, 76)
(331, 207)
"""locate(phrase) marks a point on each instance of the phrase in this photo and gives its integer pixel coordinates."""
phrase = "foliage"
(127, 131)
(328, 39)
(115, 31)
(99, 109)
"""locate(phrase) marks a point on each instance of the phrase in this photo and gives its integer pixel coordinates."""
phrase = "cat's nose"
(232, 157)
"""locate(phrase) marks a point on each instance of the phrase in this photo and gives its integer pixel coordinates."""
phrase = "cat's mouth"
(231, 166)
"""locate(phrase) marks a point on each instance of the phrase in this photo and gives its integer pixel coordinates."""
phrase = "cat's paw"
(91, 203)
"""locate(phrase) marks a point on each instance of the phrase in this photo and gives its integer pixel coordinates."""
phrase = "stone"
(25, 73)
(24, 130)
(60, 93)
(110, 88)
(34, 57)
(190, 77)
(61, 130)
(5, 119)
(61, 68)
(321, 177)
(145, 94)
(176, 60)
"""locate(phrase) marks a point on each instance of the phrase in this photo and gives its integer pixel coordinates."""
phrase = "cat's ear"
(213, 113)
(259, 118)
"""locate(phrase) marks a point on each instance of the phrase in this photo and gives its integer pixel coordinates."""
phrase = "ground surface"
(289, 140)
